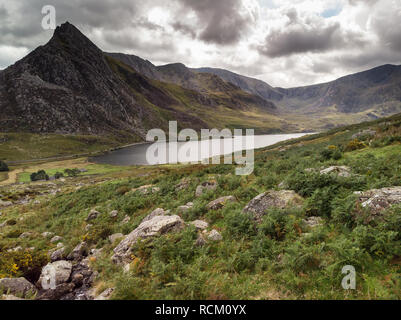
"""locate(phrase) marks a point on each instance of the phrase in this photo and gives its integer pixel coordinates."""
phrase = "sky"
(285, 43)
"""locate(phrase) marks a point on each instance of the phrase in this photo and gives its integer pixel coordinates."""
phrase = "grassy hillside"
(26, 146)
(280, 258)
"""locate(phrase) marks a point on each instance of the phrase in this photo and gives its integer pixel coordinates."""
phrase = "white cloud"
(284, 42)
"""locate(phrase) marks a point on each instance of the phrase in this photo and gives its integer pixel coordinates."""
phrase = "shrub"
(355, 145)
(239, 224)
(58, 175)
(72, 172)
(3, 166)
(40, 175)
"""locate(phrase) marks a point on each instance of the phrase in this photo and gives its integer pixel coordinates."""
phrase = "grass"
(280, 258)
(3, 176)
(27, 146)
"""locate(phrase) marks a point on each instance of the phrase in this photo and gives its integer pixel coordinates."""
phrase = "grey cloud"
(221, 21)
(298, 40)
(308, 34)
(184, 28)
(368, 2)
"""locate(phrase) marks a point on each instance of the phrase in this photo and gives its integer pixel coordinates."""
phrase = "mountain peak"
(68, 35)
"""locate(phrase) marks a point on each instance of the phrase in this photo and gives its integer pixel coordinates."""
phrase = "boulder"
(79, 252)
(214, 235)
(377, 200)
(208, 185)
(114, 214)
(47, 234)
(26, 235)
(56, 239)
(199, 224)
(149, 228)
(17, 286)
(58, 271)
(220, 203)
(93, 214)
(341, 171)
(258, 206)
(57, 254)
(147, 189)
(57, 293)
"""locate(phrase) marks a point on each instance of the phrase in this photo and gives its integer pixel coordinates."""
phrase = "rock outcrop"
(258, 206)
(378, 200)
(17, 287)
(341, 171)
(157, 225)
(220, 203)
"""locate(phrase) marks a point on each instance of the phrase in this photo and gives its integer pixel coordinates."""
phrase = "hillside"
(68, 86)
(312, 206)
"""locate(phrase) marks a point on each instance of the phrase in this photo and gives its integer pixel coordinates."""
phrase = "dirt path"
(12, 177)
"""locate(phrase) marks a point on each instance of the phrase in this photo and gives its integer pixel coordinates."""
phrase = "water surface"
(189, 151)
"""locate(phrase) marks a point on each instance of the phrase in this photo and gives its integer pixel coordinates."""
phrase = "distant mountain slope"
(207, 84)
(254, 86)
(378, 88)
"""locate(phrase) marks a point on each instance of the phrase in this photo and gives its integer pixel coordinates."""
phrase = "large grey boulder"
(55, 273)
(220, 203)
(377, 200)
(341, 171)
(17, 286)
(258, 206)
(156, 226)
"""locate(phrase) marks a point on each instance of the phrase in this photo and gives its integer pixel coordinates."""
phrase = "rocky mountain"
(70, 86)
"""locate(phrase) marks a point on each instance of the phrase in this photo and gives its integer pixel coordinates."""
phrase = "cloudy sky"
(283, 42)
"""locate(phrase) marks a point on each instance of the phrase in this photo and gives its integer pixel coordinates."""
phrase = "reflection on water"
(190, 151)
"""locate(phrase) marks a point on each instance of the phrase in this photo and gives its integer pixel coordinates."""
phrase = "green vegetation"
(279, 258)
(3, 166)
(39, 176)
(27, 146)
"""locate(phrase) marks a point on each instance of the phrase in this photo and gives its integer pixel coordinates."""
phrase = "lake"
(191, 151)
